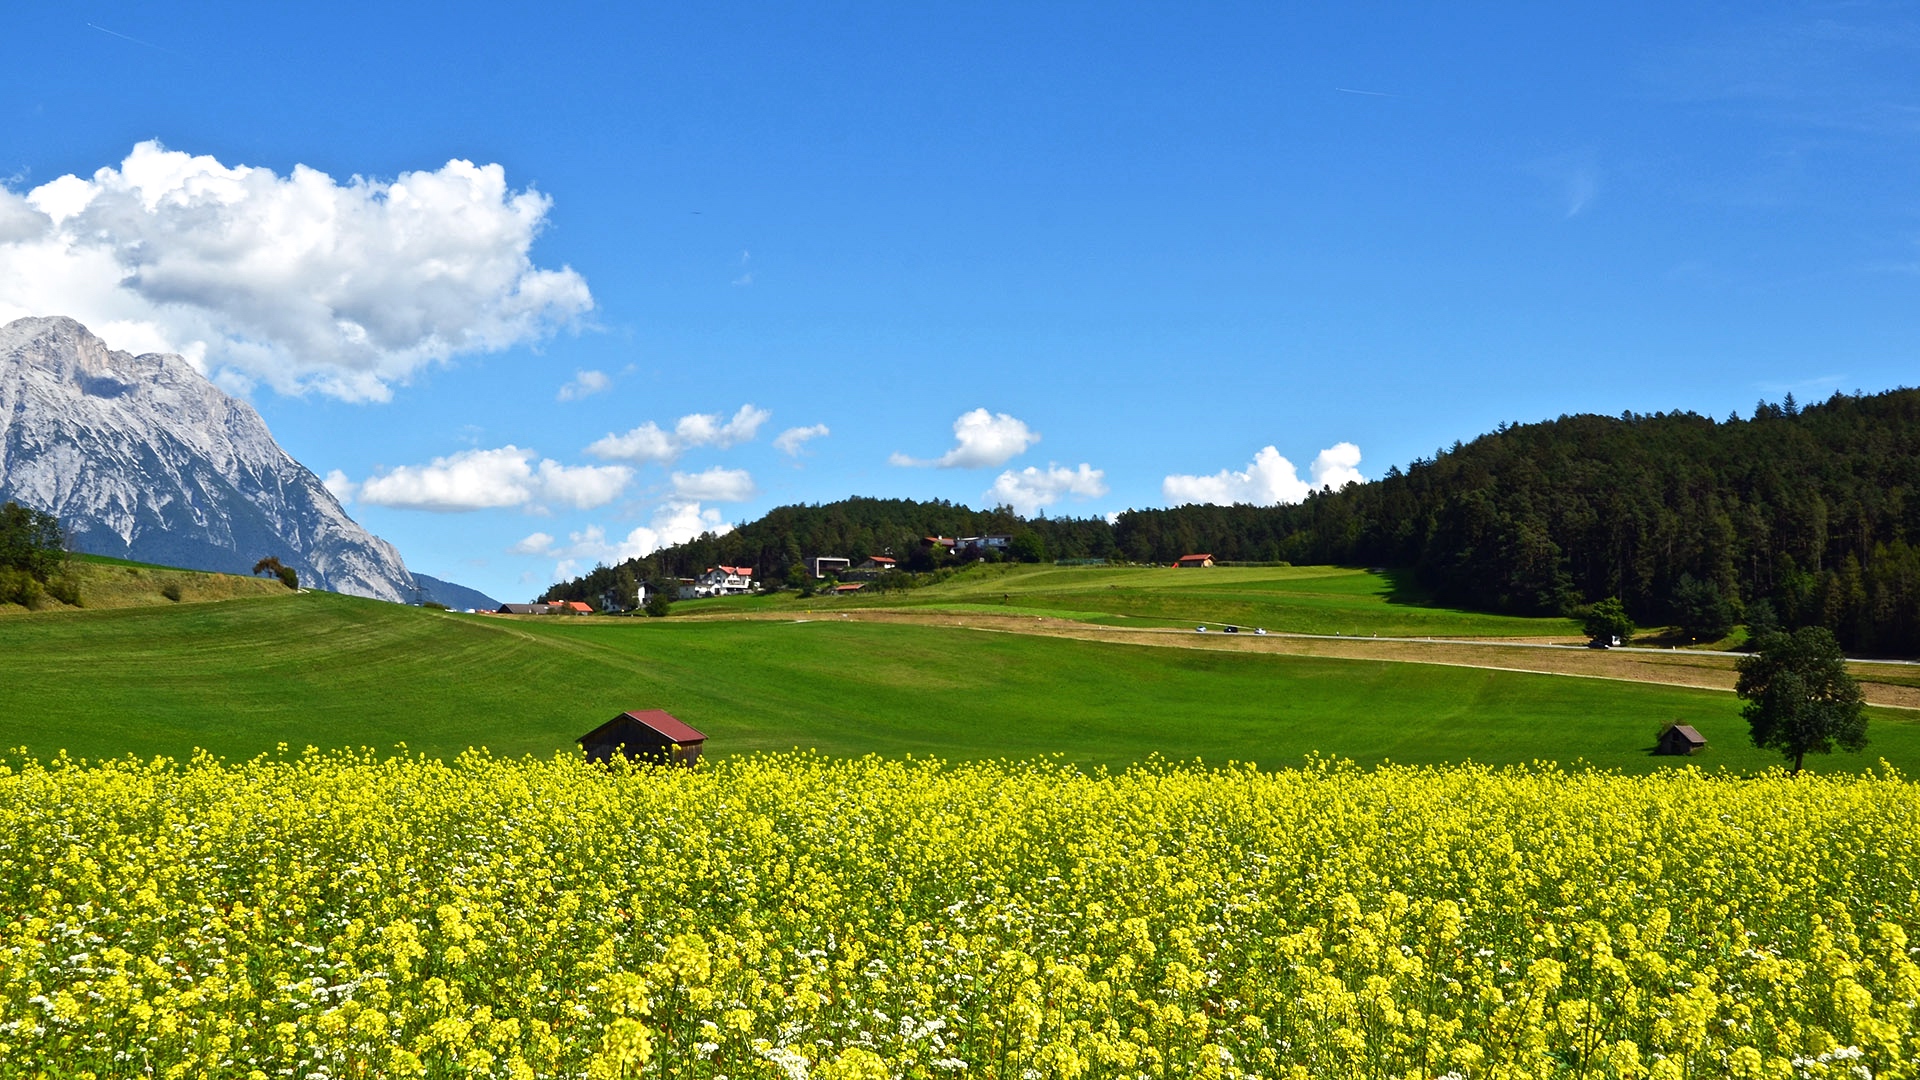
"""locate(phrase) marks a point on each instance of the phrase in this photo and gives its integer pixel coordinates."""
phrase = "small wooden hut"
(644, 735)
(1680, 739)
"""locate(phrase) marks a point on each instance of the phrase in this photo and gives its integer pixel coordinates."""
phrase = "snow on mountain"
(142, 458)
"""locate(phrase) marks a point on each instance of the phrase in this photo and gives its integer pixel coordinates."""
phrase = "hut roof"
(1687, 732)
(657, 720)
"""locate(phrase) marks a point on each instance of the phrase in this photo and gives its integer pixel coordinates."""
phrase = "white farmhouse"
(719, 581)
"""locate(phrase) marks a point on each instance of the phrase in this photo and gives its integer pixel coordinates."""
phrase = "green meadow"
(240, 677)
(1295, 599)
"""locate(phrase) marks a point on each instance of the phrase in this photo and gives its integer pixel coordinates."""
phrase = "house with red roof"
(719, 581)
(1191, 561)
(645, 735)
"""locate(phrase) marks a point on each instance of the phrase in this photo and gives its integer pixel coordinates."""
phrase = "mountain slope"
(142, 458)
(457, 597)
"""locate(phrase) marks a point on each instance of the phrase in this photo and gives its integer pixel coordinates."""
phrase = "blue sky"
(1150, 253)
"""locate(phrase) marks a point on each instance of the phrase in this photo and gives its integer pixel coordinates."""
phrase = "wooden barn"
(644, 735)
(1680, 739)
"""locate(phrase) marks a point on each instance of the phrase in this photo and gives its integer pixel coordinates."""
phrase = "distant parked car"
(1199, 629)
(1260, 630)
(1230, 629)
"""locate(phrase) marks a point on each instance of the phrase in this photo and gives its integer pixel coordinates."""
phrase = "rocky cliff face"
(142, 458)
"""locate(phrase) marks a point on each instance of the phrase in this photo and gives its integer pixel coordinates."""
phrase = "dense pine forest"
(1796, 516)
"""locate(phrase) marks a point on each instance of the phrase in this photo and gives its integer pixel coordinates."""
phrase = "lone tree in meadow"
(1607, 620)
(272, 565)
(1800, 699)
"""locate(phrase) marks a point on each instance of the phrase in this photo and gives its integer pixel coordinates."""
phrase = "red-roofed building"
(570, 607)
(720, 581)
(1190, 561)
(644, 735)
(872, 567)
(855, 586)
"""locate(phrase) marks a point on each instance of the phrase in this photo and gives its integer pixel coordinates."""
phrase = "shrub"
(64, 588)
(19, 587)
(171, 590)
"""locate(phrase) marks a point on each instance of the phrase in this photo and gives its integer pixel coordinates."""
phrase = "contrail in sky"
(135, 40)
(1367, 93)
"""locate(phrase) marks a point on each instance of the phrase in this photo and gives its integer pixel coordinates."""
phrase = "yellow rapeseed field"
(341, 915)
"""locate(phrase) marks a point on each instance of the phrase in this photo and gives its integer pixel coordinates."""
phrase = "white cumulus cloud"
(982, 440)
(340, 486)
(650, 442)
(492, 479)
(1269, 480)
(714, 485)
(532, 544)
(300, 281)
(1029, 489)
(674, 522)
(792, 440)
(584, 384)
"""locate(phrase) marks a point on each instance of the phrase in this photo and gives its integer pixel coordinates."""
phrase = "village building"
(1680, 739)
(870, 568)
(644, 735)
(975, 547)
(1193, 561)
(522, 609)
(718, 581)
(616, 599)
(830, 564)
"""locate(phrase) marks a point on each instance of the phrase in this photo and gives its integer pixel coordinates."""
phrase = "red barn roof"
(663, 722)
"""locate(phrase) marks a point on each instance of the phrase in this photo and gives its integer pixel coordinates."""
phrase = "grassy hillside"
(116, 583)
(237, 678)
(1298, 599)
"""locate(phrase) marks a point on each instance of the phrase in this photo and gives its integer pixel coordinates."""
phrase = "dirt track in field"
(1674, 667)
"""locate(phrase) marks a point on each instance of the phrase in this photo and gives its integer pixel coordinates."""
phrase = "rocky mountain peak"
(142, 457)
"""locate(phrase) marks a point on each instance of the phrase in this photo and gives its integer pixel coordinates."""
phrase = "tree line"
(1791, 517)
(33, 558)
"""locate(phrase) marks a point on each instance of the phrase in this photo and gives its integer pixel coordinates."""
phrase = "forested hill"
(1815, 510)
(853, 528)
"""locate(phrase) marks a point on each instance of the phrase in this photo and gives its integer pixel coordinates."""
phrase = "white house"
(719, 581)
(614, 600)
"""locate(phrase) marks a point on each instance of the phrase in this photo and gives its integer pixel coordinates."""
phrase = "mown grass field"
(240, 677)
(1295, 599)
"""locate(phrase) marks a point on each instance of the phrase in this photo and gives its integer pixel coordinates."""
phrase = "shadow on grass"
(1401, 588)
